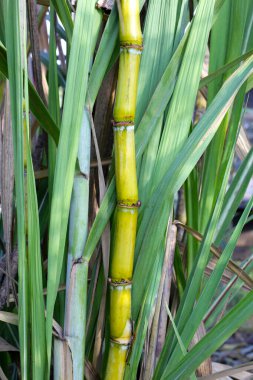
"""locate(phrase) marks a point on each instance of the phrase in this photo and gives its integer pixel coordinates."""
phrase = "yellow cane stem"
(120, 302)
(116, 361)
(123, 244)
(129, 25)
(125, 102)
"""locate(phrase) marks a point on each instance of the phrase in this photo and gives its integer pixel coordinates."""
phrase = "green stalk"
(123, 244)
(76, 89)
(77, 271)
(72, 349)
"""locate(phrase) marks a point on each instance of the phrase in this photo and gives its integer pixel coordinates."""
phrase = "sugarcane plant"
(124, 161)
(125, 222)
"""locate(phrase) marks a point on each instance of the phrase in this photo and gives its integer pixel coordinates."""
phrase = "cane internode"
(125, 221)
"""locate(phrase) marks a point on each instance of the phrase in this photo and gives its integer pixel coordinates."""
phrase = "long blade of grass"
(2, 31)
(13, 43)
(158, 35)
(181, 344)
(36, 288)
(184, 96)
(193, 284)
(36, 104)
(200, 137)
(143, 320)
(209, 289)
(213, 339)
(36, 298)
(232, 46)
(159, 39)
(173, 137)
(146, 127)
(211, 107)
(235, 194)
(63, 11)
(222, 70)
(158, 329)
(179, 171)
(227, 296)
(232, 266)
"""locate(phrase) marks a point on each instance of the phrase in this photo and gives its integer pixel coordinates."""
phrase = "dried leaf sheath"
(126, 187)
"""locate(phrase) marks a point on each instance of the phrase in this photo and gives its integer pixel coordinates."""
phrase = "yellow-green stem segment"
(123, 244)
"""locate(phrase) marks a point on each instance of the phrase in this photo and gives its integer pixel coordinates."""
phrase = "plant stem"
(77, 272)
(123, 244)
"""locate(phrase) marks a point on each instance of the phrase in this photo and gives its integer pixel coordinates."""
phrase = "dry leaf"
(5, 346)
(106, 4)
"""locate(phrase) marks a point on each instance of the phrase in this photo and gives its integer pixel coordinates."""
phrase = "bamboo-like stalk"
(123, 244)
(77, 271)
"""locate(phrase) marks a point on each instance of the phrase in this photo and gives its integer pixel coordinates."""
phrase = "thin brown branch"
(222, 295)
(35, 49)
(217, 253)
(46, 3)
(40, 174)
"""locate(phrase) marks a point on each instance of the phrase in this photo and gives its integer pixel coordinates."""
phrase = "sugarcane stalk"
(77, 271)
(123, 244)
(71, 348)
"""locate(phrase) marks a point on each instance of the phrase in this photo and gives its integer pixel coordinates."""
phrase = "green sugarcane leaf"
(44, 57)
(193, 284)
(224, 69)
(232, 45)
(178, 172)
(228, 296)
(158, 47)
(36, 104)
(144, 133)
(41, 113)
(191, 203)
(35, 269)
(235, 195)
(213, 340)
(13, 43)
(94, 296)
(184, 96)
(210, 287)
(36, 298)
(63, 12)
(158, 37)
(2, 32)
(142, 323)
(173, 137)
